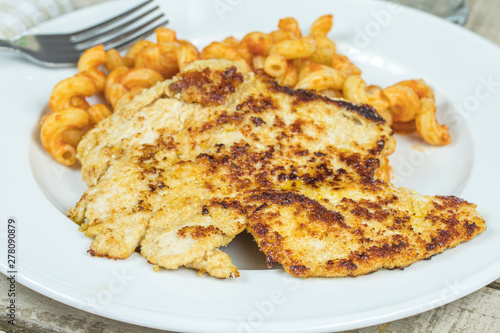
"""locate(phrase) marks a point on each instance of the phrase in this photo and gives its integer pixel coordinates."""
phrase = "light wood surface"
(477, 312)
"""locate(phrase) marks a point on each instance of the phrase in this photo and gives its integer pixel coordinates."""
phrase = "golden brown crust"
(192, 162)
(348, 237)
(208, 87)
(306, 96)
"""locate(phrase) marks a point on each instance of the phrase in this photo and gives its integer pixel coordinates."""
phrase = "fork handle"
(6, 45)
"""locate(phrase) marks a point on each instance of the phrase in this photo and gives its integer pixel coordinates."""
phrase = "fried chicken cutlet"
(194, 161)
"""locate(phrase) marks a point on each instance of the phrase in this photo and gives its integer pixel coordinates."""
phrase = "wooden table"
(478, 312)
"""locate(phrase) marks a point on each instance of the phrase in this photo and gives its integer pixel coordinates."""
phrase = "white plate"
(389, 44)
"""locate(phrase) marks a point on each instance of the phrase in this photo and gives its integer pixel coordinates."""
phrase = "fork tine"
(61, 50)
(75, 34)
(117, 28)
(132, 39)
(123, 35)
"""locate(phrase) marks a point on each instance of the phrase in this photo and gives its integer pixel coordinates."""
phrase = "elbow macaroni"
(219, 50)
(293, 49)
(114, 60)
(343, 64)
(129, 82)
(404, 102)
(419, 87)
(294, 59)
(161, 58)
(290, 25)
(165, 35)
(53, 131)
(322, 26)
(88, 65)
(428, 127)
(97, 113)
(275, 65)
(325, 49)
(322, 80)
(257, 43)
(186, 53)
(291, 75)
(355, 90)
(71, 92)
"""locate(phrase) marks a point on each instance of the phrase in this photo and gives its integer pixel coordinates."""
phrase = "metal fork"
(63, 50)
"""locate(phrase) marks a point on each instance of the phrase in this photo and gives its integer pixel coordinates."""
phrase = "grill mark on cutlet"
(364, 110)
(443, 239)
(313, 208)
(243, 166)
(381, 251)
(450, 202)
(148, 151)
(161, 96)
(260, 229)
(299, 270)
(303, 96)
(258, 121)
(445, 213)
(365, 168)
(347, 264)
(321, 173)
(296, 127)
(233, 118)
(364, 213)
(251, 105)
(387, 250)
(291, 176)
(240, 165)
(199, 232)
(257, 105)
(380, 146)
(227, 203)
(224, 118)
(471, 228)
(377, 211)
(209, 87)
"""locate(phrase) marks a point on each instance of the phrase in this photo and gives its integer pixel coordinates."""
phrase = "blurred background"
(456, 11)
(17, 16)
